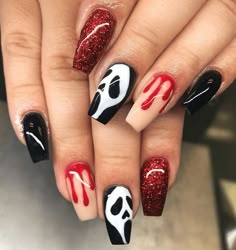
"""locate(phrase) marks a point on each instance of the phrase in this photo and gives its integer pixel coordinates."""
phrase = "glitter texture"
(94, 38)
(154, 186)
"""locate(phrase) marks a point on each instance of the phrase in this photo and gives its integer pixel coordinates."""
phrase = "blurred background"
(200, 211)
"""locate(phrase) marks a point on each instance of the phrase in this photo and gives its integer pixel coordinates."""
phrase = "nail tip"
(153, 214)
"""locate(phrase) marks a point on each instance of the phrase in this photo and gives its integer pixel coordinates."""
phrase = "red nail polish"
(94, 38)
(80, 173)
(162, 80)
(154, 186)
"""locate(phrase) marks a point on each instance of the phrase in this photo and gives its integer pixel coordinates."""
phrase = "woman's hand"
(162, 47)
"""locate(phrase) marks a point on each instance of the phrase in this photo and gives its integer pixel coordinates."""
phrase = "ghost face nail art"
(36, 136)
(154, 186)
(112, 92)
(152, 101)
(118, 211)
(81, 188)
(205, 88)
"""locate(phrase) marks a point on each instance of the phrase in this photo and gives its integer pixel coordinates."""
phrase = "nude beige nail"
(80, 185)
(152, 101)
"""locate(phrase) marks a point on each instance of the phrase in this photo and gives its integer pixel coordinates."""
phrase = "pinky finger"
(214, 80)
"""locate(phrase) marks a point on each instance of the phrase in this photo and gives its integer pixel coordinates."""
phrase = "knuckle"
(116, 158)
(22, 44)
(145, 36)
(21, 91)
(188, 59)
(58, 68)
(230, 5)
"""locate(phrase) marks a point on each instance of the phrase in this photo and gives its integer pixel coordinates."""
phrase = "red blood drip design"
(79, 168)
(166, 96)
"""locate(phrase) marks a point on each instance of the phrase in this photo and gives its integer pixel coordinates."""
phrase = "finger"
(67, 99)
(117, 176)
(99, 30)
(161, 147)
(193, 49)
(145, 36)
(215, 79)
(21, 47)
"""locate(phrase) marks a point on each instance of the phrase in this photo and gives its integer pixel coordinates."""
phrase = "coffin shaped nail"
(94, 38)
(36, 136)
(118, 212)
(112, 92)
(205, 87)
(152, 101)
(81, 188)
(154, 186)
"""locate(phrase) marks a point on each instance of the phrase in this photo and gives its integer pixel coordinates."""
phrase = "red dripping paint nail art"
(154, 186)
(76, 172)
(94, 38)
(161, 79)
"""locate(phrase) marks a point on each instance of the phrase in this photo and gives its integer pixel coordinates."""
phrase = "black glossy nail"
(112, 92)
(118, 212)
(205, 88)
(36, 136)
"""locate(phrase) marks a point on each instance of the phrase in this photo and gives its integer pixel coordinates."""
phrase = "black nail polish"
(205, 88)
(113, 90)
(36, 136)
(118, 212)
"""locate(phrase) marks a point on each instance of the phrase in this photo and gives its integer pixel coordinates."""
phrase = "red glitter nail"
(154, 186)
(94, 38)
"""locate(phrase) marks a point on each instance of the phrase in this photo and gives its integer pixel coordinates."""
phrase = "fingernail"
(94, 38)
(118, 212)
(154, 186)
(36, 136)
(81, 188)
(204, 89)
(152, 101)
(113, 90)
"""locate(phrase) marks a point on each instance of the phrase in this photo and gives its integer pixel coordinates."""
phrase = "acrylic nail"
(154, 186)
(118, 212)
(36, 136)
(113, 90)
(94, 39)
(205, 87)
(80, 185)
(152, 101)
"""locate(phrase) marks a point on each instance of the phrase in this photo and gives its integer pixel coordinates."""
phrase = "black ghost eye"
(107, 73)
(129, 201)
(102, 86)
(114, 89)
(116, 208)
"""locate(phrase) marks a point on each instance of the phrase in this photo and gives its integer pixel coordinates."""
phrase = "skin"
(38, 42)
